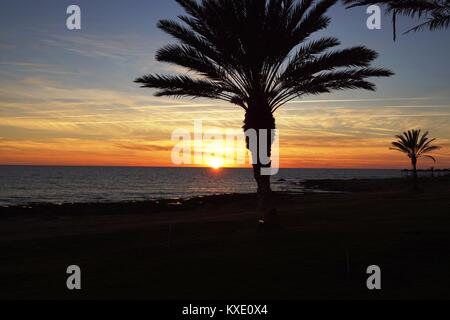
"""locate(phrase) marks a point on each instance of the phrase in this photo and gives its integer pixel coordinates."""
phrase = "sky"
(68, 97)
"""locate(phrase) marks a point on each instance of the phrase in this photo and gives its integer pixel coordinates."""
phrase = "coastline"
(308, 186)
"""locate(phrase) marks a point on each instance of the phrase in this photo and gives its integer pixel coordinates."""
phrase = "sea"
(22, 185)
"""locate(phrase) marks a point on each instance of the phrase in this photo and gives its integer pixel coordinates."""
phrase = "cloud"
(7, 46)
(16, 68)
(144, 147)
(357, 100)
(116, 47)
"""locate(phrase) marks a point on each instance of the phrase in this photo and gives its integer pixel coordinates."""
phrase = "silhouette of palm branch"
(435, 12)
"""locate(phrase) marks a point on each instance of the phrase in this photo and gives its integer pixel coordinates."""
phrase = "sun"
(215, 162)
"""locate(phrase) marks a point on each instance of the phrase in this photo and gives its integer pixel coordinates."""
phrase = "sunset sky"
(68, 97)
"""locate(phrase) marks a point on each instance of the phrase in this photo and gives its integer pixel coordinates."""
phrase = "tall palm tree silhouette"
(256, 54)
(436, 12)
(415, 146)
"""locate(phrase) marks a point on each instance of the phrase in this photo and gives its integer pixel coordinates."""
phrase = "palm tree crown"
(436, 12)
(415, 145)
(256, 54)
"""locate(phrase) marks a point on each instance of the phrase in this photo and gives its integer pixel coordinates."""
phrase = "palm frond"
(184, 86)
(437, 21)
(432, 158)
(257, 52)
(435, 12)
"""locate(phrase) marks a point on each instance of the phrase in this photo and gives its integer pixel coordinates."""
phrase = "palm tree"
(415, 146)
(436, 12)
(257, 55)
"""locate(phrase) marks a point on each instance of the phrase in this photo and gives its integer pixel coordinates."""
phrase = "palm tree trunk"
(415, 176)
(265, 198)
(261, 119)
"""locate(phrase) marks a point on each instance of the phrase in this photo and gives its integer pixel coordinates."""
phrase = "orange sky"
(137, 130)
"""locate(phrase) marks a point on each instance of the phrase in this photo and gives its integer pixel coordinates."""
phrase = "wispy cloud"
(6, 46)
(358, 100)
(15, 68)
(146, 146)
(117, 48)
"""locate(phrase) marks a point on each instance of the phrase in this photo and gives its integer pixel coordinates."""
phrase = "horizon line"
(196, 167)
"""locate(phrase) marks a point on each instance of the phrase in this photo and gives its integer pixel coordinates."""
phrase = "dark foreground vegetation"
(208, 248)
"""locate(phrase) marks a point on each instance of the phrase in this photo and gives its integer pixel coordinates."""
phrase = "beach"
(211, 248)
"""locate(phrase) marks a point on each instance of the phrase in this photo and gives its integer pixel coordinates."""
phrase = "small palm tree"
(256, 54)
(436, 12)
(415, 146)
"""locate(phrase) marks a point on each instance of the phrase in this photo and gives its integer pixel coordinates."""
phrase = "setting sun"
(215, 162)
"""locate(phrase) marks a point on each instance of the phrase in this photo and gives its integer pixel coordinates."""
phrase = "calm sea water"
(24, 185)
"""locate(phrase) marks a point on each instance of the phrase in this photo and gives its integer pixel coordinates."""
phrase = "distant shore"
(210, 247)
